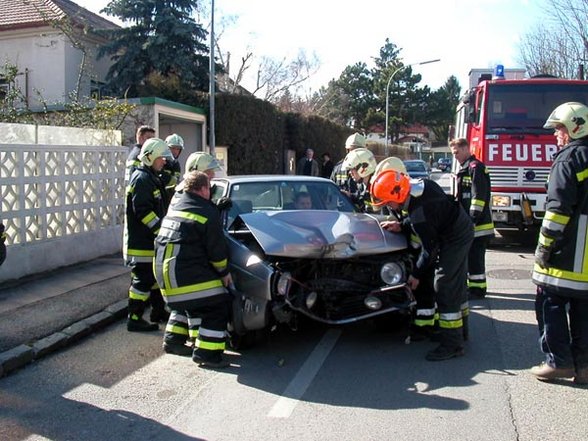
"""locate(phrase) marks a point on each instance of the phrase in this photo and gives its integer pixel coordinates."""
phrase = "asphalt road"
(325, 383)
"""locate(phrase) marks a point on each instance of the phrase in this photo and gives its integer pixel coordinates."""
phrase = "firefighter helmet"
(390, 186)
(574, 116)
(201, 161)
(357, 140)
(152, 149)
(390, 163)
(361, 160)
(175, 140)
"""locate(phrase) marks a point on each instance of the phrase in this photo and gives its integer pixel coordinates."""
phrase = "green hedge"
(258, 135)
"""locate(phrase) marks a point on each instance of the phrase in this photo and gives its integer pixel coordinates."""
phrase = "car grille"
(529, 177)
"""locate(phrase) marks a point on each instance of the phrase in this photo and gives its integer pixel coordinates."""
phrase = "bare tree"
(558, 46)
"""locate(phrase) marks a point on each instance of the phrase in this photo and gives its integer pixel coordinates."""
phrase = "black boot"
(451, 345)
(158, 312)
(466, 328)
(177, 349)
(135, 322)
(476, 293)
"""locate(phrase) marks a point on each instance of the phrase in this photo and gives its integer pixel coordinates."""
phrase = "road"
(346, 383)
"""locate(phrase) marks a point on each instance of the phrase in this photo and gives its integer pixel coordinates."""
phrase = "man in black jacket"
(446, 233)
(561, 268)
(145, 207)
(191, 267)
(473, 193)
(143, 134)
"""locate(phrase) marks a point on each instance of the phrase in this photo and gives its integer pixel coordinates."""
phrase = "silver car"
(325, 262)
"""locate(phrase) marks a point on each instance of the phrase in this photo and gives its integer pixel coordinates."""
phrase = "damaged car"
(323, 261)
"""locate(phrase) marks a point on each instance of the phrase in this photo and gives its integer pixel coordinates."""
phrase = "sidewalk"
(41, 314)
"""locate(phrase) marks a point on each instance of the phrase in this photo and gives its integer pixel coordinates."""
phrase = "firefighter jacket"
(342, 178)
(145, 207)
(473, 193)
(562, 250)
(436, 219)
(191, 253)
(132, 162)
(171, 174)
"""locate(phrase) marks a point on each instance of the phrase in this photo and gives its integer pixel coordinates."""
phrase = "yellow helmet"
(201, 161)
(574, 116)
(357, 140)
(152, 149)
(175, 140)
(390, 163)
(361, 160)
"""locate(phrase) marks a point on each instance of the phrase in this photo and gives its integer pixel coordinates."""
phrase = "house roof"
(22, 14)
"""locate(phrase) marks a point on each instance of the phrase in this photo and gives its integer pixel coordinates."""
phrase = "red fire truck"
(503, 121)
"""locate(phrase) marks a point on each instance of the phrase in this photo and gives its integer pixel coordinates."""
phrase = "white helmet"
(152, 149)
(574, 116)
(361, 160)
(175, 140)
(201, 161)
(390, 163)
(357, 140)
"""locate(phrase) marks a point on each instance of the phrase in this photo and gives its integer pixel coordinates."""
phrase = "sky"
(463, 34)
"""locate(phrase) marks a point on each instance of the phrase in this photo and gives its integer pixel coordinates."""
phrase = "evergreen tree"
(163, 40)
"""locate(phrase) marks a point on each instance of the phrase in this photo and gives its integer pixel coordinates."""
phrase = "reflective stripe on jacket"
(564, 229)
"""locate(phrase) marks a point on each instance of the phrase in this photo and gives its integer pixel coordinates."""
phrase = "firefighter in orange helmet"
(446, 233)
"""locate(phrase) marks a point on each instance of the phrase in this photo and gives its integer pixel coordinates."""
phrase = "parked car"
(444, 164)
(327, 263)
(417, 168)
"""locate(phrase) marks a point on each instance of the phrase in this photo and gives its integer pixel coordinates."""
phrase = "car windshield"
(278, 195)
(415, 166)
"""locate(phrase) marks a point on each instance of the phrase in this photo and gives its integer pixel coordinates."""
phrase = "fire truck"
(503, 121)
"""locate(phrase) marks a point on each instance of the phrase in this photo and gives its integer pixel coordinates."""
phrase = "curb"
(24, 354)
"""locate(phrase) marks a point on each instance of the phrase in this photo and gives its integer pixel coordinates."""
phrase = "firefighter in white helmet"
(172, 171)
(361, 164)
(560, 271)
(145, 207)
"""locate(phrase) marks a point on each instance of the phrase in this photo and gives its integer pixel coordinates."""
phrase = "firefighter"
(145, 207)
(361, 164)
(446, 233)
(191, 266)
(341, 177)
(143, 134)
(560, 270)
(177, 331)
(473, 193)
(172, 172)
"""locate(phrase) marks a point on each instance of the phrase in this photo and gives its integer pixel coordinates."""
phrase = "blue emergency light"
(499, 72)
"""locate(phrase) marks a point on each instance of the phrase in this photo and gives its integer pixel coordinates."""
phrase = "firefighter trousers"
(564, 345)
(142, 282)
(477, 266)
(177, 328)
(450, 287)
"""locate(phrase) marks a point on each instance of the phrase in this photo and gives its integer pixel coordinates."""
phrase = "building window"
(96, 88)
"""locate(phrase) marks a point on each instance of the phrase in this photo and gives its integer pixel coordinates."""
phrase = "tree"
(441, 107)
(162, 41)
(559, 44)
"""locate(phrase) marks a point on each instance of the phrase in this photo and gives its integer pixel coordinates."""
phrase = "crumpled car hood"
(320, 234)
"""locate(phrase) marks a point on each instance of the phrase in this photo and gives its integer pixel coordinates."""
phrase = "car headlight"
(501, 201)
(284, 283)
(391, 273)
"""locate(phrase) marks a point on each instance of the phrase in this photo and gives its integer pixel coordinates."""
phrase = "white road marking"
(284, 407)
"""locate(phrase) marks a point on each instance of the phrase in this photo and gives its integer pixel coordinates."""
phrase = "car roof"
(413, 160)
(266, 178)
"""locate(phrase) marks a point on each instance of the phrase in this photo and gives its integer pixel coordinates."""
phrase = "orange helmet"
(389, 186)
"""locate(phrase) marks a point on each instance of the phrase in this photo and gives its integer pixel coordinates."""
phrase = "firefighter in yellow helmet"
(172, 171)
(561, 271)
(341, 177)
(361, 164)
(180, 328)
(145, 207)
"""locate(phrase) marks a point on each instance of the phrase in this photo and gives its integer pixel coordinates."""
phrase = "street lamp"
(388, 89)
(211, 73)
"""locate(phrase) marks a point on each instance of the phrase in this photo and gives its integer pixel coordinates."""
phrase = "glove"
(224, 203)
(542, 255)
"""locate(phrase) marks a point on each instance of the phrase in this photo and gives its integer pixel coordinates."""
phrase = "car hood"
(320, 234)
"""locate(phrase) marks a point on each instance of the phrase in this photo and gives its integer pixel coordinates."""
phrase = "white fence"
(60, 204)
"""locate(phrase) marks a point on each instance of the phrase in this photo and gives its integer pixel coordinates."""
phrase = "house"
(48, 40)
